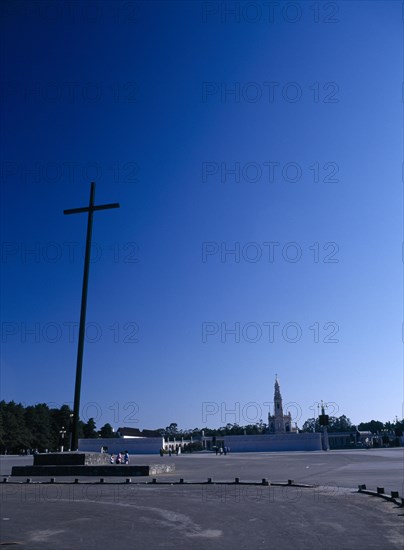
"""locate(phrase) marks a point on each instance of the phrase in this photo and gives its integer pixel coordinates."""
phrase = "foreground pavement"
(347, 469)
(230, 517)
(330, 514)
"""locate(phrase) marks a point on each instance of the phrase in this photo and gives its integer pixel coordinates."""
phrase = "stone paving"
(331, 514)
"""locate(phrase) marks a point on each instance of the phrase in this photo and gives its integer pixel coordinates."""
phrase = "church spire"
(278, 422)
(278, 408)
(277, 395)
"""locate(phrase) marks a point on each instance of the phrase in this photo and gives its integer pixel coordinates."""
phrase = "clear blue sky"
(159, 102)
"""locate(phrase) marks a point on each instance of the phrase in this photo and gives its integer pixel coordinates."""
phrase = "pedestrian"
(126, 458)
(225, 451)
(169, 451)
(217, 450)
(161, 451)
(112, 458)
(119, 458)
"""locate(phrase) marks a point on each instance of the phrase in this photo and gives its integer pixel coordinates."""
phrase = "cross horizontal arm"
(76, 210)
(106, 206)
(93, 208)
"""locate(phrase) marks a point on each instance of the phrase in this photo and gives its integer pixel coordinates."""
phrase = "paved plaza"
(327, 514)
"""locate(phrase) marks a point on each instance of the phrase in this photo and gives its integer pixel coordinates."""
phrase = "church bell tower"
(279, 423)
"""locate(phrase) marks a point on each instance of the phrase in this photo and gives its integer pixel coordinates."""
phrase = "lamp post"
(318, 415)
(323, 420)
(62, 438)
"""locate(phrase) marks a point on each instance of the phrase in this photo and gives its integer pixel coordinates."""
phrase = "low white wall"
(236, 443)
(273, 442)
(138, 446)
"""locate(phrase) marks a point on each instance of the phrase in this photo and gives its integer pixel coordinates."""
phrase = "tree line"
(38, 427)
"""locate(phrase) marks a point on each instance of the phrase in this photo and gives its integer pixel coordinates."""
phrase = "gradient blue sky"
(138, 96)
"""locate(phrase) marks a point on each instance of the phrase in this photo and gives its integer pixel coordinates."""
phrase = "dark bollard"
(362, 487)
(209, 480)
(28, 480)
(76, 480)
(394, 494)
(128, 480)
(5, 479)
(181, 480)
(52, 480)
(102, 480)
(380, 490)
(265, 481)
(291, 481)
(154, 480)
(236, 480)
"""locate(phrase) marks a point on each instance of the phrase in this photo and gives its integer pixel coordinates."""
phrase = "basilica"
(279, 423)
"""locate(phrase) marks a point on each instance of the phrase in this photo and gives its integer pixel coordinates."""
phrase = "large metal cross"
(91, 208)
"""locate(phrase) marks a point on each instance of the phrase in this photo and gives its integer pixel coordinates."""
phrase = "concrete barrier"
(100, 471)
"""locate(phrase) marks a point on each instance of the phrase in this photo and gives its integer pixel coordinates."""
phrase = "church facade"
(278, 422)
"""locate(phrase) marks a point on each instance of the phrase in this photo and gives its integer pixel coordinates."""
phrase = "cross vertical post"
(83, 310)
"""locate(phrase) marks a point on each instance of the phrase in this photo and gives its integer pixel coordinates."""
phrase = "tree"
(373, 426)
(311, 425)
(38, 420)
(106, 431)
(340, 424)
(89, 429)
(1, 427)
(16, 436)
(262, 426)
(172, 429)
(193, 447)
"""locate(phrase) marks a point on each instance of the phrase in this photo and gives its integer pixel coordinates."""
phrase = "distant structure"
(279, 423)
(281, 436)
(131, 433)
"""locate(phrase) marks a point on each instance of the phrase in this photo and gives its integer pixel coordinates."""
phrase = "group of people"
(121, 458)
(171, 450)
(222, 450)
